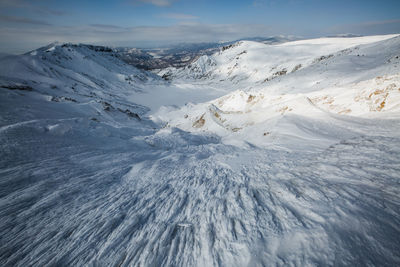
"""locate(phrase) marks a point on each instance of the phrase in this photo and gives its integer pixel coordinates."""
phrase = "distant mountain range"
(179, 55)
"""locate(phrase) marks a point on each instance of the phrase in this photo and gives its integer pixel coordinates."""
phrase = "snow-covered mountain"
(360, 81)
(180, 55)
(281, 154)
(247, 62)
(79, 72)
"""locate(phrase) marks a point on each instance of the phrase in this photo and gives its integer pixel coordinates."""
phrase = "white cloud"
(35, 6)
(28, 38)
(178, 16)
(21, 38)
(160, 3)
(14, 3)
(16, 19)
(369, 27)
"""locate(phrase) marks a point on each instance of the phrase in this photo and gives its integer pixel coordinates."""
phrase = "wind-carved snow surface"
(105, 165)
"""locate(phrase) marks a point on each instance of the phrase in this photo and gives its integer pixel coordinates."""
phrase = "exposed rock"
(199, 122)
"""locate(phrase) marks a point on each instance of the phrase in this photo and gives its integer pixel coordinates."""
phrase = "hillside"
(260, 154)
(247, 63)
(360, 81)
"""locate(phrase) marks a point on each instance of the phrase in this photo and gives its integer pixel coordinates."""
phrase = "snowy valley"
(257, 154)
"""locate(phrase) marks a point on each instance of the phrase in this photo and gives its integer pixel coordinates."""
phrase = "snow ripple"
(224, 207)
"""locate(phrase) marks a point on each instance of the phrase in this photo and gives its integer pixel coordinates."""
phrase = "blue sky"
(28, 24)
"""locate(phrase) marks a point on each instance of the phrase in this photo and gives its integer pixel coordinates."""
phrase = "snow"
(104, 164)
(248, 62)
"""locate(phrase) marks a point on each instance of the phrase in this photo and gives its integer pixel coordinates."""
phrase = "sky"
(29, 24)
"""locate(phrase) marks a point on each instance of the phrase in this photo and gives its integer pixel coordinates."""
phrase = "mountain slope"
(81, 72)
(362, 81)
(254, 62)
(102, 164)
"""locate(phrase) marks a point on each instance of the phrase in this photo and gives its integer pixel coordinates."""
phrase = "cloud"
(259, 3)
(270, 3)
(30, 5)
(14, 3)
(107, 26)
(160, 3)
(369, 27)
(15, 19)
(382, 22)
(21, 39)
(178, 16)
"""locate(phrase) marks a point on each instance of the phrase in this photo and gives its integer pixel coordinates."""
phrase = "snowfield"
(258, 155)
